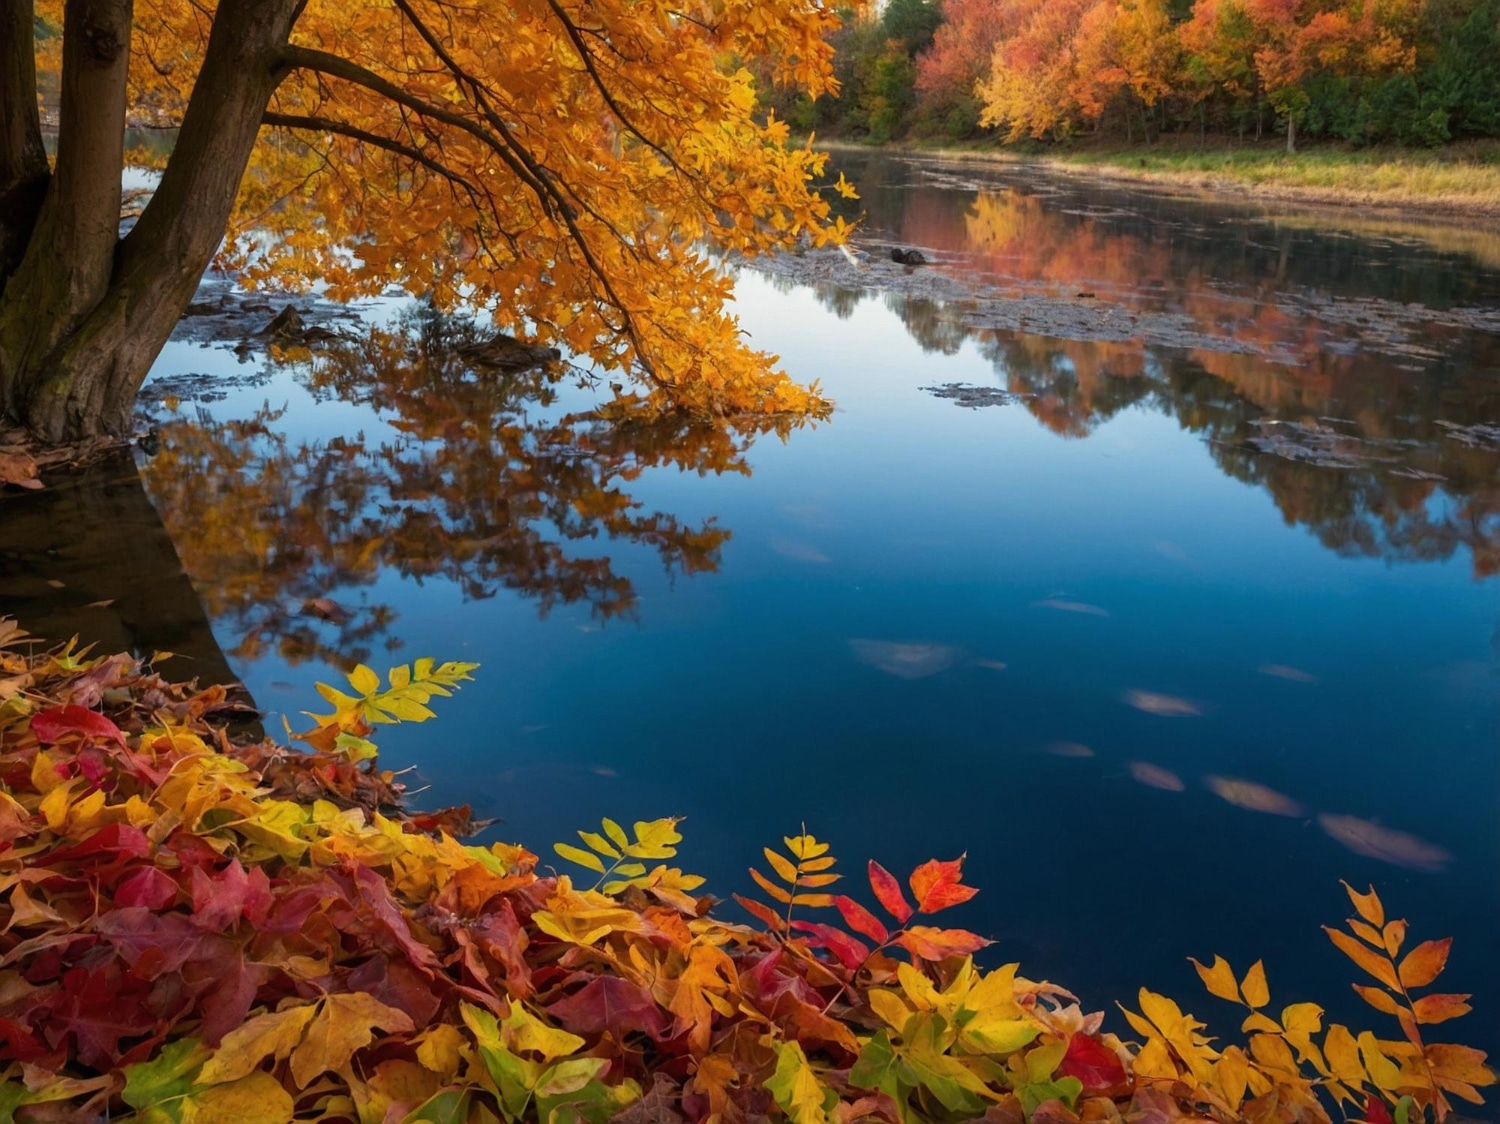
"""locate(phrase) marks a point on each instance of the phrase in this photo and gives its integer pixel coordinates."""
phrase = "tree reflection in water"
(1294, 325)
(474, 481)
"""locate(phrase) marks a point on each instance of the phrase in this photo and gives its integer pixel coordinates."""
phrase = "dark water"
(899, 627)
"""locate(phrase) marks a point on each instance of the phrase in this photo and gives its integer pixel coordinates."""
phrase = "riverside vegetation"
(199, 927)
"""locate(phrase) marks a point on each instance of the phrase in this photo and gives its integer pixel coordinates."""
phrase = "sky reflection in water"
(889, 623)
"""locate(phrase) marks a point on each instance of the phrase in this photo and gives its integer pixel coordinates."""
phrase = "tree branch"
(339, 128)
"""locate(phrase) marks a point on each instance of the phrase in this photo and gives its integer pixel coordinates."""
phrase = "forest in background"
(1363, 72)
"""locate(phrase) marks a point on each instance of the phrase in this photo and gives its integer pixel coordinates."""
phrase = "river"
(1151, 558)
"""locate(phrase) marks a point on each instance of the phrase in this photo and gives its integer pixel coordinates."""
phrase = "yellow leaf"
(1342, 1052)
(1155, 1061)
(344, 1024)
(364, 681)
(580, 856)
(616, 833)
(796, 1087)
(1219, 980)
(256, 1099)
(1257, 993)
(1383, 1072)
(271, 1035)
(523, 1032)
(1232, 1071)
(888, 1006)
(781, 865)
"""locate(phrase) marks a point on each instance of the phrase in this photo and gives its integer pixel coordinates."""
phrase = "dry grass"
(1459, 179)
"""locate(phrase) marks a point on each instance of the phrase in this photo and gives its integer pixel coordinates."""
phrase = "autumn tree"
(554, 162)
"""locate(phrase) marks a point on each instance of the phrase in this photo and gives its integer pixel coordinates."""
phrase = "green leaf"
(875, 1068)
(796, 1087)
(355, 749)
(167, 1076)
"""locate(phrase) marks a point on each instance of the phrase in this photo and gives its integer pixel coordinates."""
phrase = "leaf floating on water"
(905, 661)
(1253, 797)
(1163, 706)
(1292, 674)
(1071, 607)
(1154, 776)
(1069, 749)
(1385, 844)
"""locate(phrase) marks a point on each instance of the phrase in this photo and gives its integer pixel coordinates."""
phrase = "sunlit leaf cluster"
(194, 928)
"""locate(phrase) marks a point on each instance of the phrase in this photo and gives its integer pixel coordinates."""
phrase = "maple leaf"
(609, 1004)
(343, 1025)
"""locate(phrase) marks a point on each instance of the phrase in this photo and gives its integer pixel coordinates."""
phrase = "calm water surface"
(1165, 686)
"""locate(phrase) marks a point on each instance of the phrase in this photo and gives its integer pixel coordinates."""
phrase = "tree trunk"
(23, 159)
(108, 304)
(1291, 135)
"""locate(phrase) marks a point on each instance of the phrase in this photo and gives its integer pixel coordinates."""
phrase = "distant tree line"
(1413, 72)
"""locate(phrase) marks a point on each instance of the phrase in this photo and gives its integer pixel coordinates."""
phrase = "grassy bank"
(1459, 179)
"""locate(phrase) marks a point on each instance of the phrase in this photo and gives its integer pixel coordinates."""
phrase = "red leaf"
(1375, 1110)
(219, 899)
(118, 840)
(937, 885)
(19, 1043)
(146, 887)
(1095, 1064)
(762, 913)
(850, 952)
(927, 943)
(53, 725)
(608, 1003)
(95, 1006)
(861, 920)
(888, 890)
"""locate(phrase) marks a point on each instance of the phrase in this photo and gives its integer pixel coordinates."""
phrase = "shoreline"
(1229, 183)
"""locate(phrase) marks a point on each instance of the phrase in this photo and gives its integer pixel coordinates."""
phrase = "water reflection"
(1351, 378)
(475, 479)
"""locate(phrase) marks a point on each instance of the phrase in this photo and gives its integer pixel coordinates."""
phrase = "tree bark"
(79, 379)
(1291, 135)
(23, 159)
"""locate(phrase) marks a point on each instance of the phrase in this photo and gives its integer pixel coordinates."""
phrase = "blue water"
(1112, 535)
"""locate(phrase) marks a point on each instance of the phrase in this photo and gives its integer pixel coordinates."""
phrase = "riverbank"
(1459, 180)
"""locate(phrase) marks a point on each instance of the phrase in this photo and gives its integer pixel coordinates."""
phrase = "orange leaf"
(1257, 993)
(1393, 936)
(770, 887)
(1382, 1001)
(1367, 933)
(888, 891)
(762, 913)
(1368, 905)
(1376, 965)
(927, 943)
(1425, 962)
(1440, 1008)
(936, 885)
